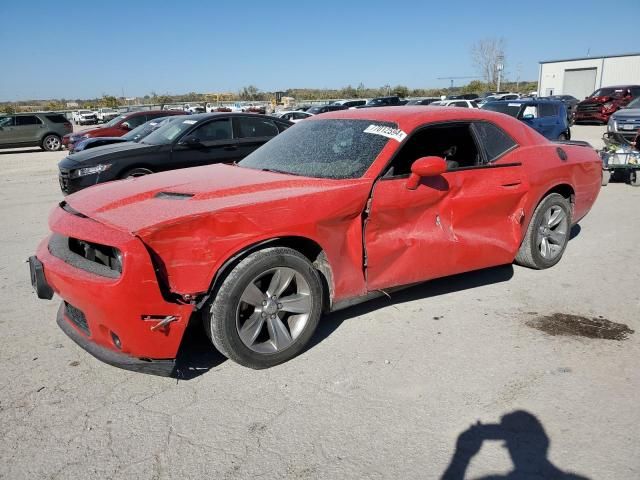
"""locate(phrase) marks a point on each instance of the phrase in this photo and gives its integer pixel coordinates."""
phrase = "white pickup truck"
(84, 117)
(105, 114)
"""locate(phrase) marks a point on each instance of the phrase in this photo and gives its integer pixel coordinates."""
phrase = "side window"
(6, 121)
(530, 111)
(493, 139)
(247, 127)
(547, 110)
(136, 121)
(22, 120)
(460, 104)
(454, 142)
(214, 131)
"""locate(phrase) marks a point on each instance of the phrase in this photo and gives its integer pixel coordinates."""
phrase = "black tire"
(136, 172)
(529, 254)
(606, 177)
(220, 322)
(51, 143)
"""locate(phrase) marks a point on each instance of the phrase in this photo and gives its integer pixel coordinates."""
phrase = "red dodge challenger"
(336, 209)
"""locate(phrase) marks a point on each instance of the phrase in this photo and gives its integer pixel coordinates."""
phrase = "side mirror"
(191, 141)
(425, 167)
(126, 126)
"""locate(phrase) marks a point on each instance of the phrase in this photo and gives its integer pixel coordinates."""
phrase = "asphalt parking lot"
(388, 389)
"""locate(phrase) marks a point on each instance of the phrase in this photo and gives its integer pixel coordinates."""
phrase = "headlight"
(83, 172)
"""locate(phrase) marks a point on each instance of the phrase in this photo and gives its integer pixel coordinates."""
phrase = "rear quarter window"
(547, 110)
(495, 141)
(57, 118)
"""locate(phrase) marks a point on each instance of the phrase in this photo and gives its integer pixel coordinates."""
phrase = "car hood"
(627, 113)
(105, 153)
(144, 204)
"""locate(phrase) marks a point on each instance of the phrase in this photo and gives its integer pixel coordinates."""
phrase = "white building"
(582, 76)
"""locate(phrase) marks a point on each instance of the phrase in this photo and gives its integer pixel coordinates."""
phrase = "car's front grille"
(588, 108)
(95, 258)
(77, 317)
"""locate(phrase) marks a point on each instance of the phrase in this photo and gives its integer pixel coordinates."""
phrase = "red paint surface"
(458, 221)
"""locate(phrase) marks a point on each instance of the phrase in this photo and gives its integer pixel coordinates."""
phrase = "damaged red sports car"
(334, 210)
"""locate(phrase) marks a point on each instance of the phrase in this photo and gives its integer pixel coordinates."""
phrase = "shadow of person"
(524, 438)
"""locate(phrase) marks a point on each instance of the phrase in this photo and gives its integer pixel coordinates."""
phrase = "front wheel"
(266, 309)
(51, 143)
(548, 233)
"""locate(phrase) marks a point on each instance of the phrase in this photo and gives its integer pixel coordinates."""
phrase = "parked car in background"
(601, 104)
(106, 114)
(349, 103)
(199, 139)
(455, 103)
(134, 135)
(118, 126)
(423, 101)
(338, 209)
(625, 123)
(194, 108)
(384, 102)
(318, 109)
(547, 117)
(463, 96)
(84, 117)
(292, 115)
(42, 129)
(570, 103)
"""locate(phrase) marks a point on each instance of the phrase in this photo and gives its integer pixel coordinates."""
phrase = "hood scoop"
(173, 195)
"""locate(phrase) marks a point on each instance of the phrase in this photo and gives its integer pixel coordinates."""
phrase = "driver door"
(465, 219)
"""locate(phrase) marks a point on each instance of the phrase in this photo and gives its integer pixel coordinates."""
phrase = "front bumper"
(162, 368)
(117, 313)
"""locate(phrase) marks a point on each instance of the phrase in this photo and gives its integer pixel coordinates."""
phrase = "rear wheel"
(548, 233)
(266, 309)
(136, 172)
(51, 143)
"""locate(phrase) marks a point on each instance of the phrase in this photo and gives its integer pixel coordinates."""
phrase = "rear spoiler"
(578, 143)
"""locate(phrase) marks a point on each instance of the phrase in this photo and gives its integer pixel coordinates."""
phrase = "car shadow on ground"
(456, 283)
(10, 151)
(525, 440)
(197, 355)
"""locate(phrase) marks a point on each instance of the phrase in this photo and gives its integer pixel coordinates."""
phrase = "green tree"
(7, 108)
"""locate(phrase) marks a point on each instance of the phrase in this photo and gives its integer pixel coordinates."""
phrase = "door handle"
(512, 184)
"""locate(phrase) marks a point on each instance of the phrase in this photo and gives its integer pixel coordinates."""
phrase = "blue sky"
(75, 49)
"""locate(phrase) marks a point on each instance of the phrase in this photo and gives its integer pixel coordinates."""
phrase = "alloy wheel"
(552, 232)
(274, 310)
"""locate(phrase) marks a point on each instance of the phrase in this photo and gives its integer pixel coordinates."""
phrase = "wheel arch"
(564, 189)
(306, 246)
(128, 168)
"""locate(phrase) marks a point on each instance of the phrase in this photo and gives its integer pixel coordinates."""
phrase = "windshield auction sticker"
(385, 131)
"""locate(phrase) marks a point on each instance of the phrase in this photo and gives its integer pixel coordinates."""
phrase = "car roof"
(409, 117)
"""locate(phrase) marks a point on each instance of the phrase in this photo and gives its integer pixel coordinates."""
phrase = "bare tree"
(486, 55)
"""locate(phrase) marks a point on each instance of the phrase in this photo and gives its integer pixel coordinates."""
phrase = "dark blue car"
(547, 117)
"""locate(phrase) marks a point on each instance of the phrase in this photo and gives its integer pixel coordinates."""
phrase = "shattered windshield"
(336, 149)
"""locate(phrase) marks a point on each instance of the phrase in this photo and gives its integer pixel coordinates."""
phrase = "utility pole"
(499, 68)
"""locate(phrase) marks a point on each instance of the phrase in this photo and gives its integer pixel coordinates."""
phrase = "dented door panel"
(459, 221)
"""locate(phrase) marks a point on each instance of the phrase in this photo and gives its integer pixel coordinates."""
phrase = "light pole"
(499, 68)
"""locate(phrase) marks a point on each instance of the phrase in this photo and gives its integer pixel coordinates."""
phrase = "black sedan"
(191, 141)
(134, 135)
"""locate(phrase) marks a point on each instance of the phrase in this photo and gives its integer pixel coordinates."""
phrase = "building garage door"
(580, 83)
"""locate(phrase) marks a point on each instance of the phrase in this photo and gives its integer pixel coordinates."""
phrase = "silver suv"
(44, 130)
(625, 123)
